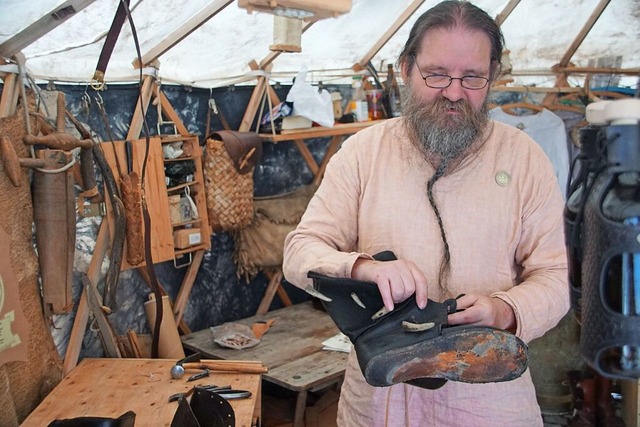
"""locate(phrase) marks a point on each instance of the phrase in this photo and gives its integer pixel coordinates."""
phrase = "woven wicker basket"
(229, 193)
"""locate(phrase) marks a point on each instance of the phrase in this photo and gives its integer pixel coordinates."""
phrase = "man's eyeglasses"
(442, 81)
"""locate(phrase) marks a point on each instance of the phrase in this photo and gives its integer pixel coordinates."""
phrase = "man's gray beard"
(440, 136)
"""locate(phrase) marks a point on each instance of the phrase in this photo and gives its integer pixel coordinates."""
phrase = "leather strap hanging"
(112, 36)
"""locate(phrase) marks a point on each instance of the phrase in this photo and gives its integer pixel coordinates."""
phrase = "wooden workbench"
(291, 350)
(111, 387)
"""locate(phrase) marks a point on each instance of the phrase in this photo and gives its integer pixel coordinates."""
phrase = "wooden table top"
(318, 132)
(291, 349)
(111, 387)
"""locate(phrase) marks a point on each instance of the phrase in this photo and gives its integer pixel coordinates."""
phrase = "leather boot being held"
(415, 345)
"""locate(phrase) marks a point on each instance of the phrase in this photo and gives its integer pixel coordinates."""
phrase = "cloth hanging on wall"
(546, 129)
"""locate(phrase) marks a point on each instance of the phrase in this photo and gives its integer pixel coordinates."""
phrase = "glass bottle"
(392, 93)
(359, 100)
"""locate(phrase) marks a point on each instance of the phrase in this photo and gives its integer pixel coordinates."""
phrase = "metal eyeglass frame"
(463, 82)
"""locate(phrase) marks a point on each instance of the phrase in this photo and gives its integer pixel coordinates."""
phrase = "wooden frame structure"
(12, 47)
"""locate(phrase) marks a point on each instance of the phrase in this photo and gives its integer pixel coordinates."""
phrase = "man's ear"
(405, 70)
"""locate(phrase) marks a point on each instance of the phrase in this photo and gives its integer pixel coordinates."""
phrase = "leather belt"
(112, 36)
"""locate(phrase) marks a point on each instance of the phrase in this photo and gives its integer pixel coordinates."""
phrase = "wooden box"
(187, 237)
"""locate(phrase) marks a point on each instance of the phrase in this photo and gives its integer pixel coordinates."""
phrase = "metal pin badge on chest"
(503, 178)
(521, 126)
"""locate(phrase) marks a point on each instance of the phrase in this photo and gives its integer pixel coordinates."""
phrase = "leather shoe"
(415, 345)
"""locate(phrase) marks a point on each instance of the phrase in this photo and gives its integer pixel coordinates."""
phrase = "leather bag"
(229, 161)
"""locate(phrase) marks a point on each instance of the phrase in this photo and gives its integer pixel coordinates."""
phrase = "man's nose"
(454, 92)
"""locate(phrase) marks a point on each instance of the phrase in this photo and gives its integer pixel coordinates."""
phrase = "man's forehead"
(458, 46)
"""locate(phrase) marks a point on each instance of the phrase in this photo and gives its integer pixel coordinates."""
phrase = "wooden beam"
(583, 33)
(187, 284)
(252, 107)
(8, 98)
(107, 334)
(410, 10)
(533, 89)
(195, 22)
(600, 70)
(82, 312)
(42, 26)
(275, 99)
(170, 112)
(502, 16)
(148, 87)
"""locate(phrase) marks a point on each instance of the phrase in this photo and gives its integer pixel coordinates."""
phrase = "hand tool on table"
(224, 391)
(194, 362)
(199, 375)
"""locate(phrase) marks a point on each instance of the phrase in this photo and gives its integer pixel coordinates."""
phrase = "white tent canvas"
(538, 35)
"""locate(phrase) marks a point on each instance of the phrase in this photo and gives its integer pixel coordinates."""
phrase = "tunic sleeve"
(326, 236)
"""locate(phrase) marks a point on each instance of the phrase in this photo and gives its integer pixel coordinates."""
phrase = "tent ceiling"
(538, 34)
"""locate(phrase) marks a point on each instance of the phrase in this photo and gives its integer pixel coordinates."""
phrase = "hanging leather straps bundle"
(97, 82)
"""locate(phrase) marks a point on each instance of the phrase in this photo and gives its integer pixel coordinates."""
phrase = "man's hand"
(396, 280)
(483, 311)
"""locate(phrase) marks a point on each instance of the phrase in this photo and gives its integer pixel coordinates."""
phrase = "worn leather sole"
(463, 354)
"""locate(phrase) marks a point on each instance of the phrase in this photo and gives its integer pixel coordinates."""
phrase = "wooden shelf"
(168, 139)
(180, 159)
(196, 183)
(186, 223)
(197, 193)
(318, 132)
(157, 194)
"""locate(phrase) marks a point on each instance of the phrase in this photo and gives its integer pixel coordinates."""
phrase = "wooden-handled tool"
(12, 163)
(227, 366)
(241, 366)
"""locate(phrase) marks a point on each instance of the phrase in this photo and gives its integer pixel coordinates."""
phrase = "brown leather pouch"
(244, 148)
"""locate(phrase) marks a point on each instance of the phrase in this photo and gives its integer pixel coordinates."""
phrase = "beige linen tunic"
(503, 214)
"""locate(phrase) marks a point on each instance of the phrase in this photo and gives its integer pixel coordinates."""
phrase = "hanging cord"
(211, 109)
(145, 212)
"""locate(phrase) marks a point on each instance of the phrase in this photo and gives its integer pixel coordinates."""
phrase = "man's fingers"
(385, 293)
(420, 287)
(466, 301)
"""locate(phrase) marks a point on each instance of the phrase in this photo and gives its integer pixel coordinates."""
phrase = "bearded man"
(468, 206)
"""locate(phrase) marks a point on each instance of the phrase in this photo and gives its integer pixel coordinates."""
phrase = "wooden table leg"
(306, 154)
(284, 296)
(331, 150)
(270, 292)
(187, 285)
(82, 313)
(301, 406)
